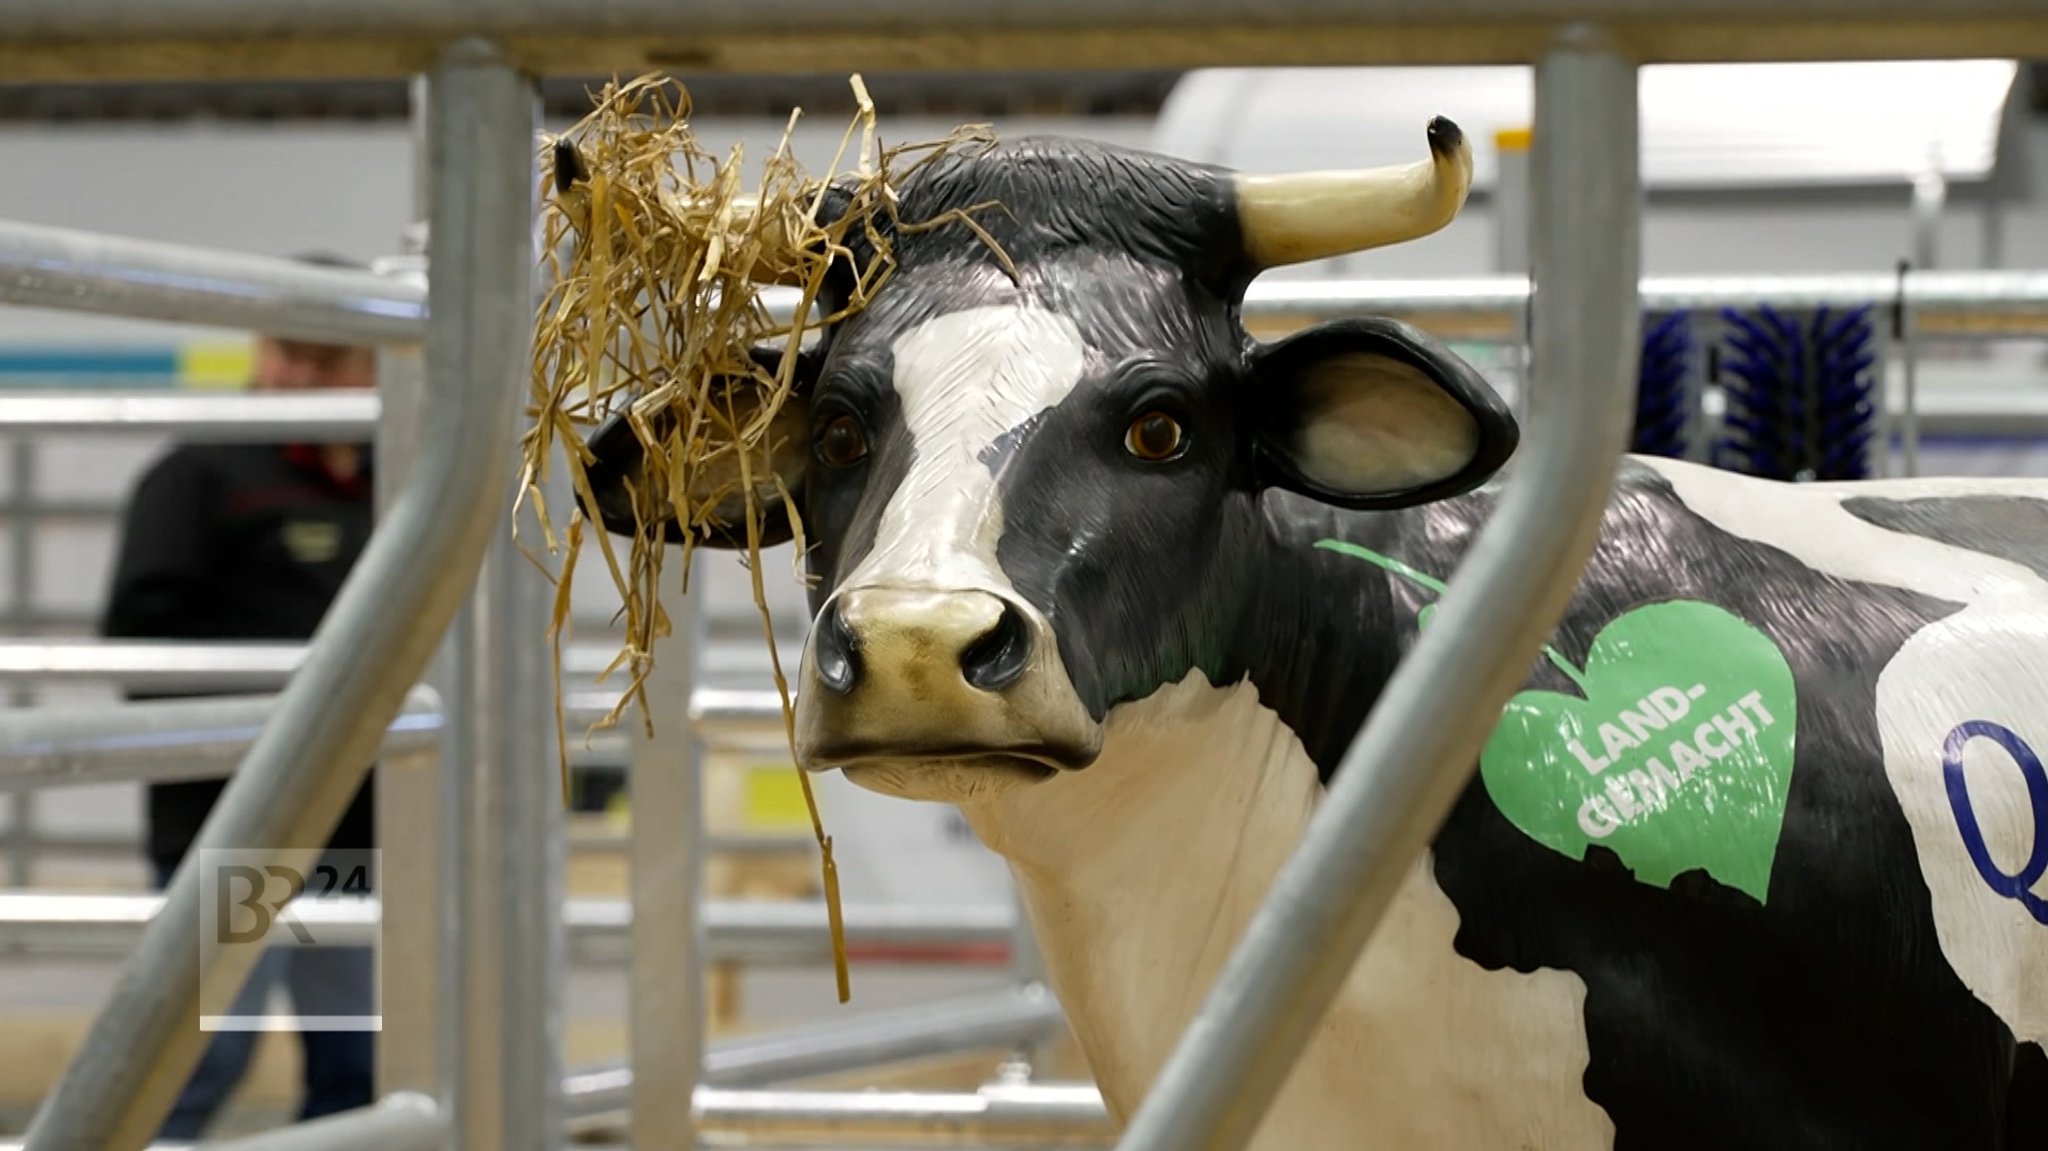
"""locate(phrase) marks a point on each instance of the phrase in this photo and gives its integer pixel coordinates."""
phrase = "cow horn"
(1304, 216)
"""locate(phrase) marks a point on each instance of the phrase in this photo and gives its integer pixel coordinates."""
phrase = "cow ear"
(1373, 413)
(628, 494)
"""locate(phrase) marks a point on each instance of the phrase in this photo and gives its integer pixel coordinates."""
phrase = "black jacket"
(235, 542)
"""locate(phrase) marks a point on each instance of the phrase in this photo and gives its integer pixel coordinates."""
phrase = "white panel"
(68, 693)
(1703, 125)
(108, 808)
(1800, 238)
(260, 188)
(893, 852)
(1962, 457)
(74, 563)
(94, 467)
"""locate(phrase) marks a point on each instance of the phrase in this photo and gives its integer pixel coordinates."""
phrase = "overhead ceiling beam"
(711, 94)
(70, 40)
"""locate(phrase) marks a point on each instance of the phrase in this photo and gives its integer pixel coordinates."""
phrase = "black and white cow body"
(1123, 584)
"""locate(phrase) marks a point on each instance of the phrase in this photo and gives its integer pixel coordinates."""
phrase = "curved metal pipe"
(328, 416)
(44, 267)
(165, 740)
(377, 637)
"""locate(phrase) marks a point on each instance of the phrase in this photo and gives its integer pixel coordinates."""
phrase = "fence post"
(665, 789)
(21, 541)
(502, 838)
(409, 835)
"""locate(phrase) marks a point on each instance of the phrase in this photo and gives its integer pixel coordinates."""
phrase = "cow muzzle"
(940, 695)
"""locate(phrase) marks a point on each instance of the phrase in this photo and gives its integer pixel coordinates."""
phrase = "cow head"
(1031, 492)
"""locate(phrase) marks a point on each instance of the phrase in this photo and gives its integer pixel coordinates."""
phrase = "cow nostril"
(838, 661)
(997, 658)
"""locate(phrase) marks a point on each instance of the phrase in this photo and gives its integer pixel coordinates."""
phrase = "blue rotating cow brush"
(1799, 391)
(1664, 393)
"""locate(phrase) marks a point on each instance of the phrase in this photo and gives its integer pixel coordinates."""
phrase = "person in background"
(246, 541)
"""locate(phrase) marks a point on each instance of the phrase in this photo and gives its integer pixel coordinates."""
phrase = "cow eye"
(840, 444)
(1153, 436)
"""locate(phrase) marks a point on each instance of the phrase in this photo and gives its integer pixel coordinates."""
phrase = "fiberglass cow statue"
(1756, 860)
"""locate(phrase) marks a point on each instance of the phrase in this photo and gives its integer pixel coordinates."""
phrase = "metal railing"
(44, 267)
(425, 553)
(764, 932)
(165, 740)
(436, 539)
(127, 40)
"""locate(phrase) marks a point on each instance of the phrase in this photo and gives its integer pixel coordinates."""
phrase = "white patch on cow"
(1807, 522)
(963, 380)
(1141, 873)
(1987, 664)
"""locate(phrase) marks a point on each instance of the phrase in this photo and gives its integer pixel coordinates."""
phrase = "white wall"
(276, 189)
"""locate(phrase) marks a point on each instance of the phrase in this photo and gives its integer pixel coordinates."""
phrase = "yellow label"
(215, 366)
(312, 541)
(774, 798)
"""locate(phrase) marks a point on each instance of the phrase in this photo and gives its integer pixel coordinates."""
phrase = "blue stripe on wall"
(92, 362)
(91, 369)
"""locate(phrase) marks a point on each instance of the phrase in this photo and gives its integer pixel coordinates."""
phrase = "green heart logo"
(1677, 753)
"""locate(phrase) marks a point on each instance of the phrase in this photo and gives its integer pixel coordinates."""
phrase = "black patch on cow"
(1826, 1019)
(2026, 1105)
(840, 523)
(2009, 527)
(1042, 199)
(1140, 567)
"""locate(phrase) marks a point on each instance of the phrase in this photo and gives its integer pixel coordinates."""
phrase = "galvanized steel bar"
(745, 931)
(228, 666)
(409, 802)
(1006, 1112)
(1406, 767)
(334, 416)
(372, 645)
(1027, 1013)
(62, 923)
(69, 40)
(159, 741)
(21, 556)
(665, 871)
(501, 859)
(1055, 1115)
(148, 664)
(144, 279)
(738, 717)
(1960, 304)
(44, 267)
(408, 1121)
(873, 1040)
